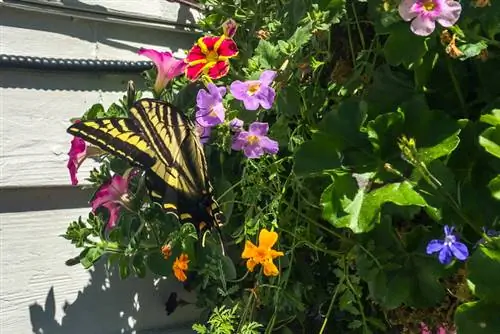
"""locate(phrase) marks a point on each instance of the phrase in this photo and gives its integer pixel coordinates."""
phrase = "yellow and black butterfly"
(161, 140)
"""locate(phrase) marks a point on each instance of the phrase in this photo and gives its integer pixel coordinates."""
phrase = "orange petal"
(274, 254)
(251, 264)
(270, 269)
(267, 239)
(249, 251)
(180, 275)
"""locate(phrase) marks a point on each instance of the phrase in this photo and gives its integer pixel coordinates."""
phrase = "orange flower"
(180, 266)
(262, 254)
(166, 251)
(210, 55)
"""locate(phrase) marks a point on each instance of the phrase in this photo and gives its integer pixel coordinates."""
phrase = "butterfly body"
(161, 140)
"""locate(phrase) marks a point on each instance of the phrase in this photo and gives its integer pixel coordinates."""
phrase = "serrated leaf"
(267, 54)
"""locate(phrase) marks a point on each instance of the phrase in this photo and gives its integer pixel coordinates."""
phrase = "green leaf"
(494, 186)
(300, 37)
(228, 268)
(403, 46)
(89, 256)
(364, 211)
(484, 270)
(490, 140)
(383, 132)
(267, 54)
(158, 265)
(478, 318)
(315, 156)
(96, 111)
(491, 119)
(443, 149)
(342, 125)
(472, 49)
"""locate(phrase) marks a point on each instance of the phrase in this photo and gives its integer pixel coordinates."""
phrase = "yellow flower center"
(252, 139)
(212, 56)
(253, 88)
(429, 5)
(212, 112)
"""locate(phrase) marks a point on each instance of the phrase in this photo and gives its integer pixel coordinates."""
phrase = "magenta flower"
(236, 125)
(203, 133)
(255, 92)
(166, 65)
(425, 13)
(448, 248)
(112, 195)
(210, 108)
(254, 142)
(77, 153)
(229, 27)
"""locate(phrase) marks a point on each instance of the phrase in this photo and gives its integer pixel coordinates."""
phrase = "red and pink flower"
(210, 56)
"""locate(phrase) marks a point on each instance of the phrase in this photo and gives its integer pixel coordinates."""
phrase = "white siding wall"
(38, 292)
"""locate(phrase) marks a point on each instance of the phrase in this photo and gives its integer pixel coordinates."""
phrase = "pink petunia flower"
(78, 152)
(255, 92)
(167, 66)
(425, 13)
(254, 142)
(229, 27)
(210, 108)
(112, 195)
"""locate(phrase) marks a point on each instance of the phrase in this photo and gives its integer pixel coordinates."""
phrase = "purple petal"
(203, 99)
(266, 97)
(405, 11)
(448, 230)
(251, 102)
(434, 246)
(239, 90)
(445, 255)
(203, 133)
(240, 140)
(258, 128)
(459, 250)
(422, 26)
(212, 116)
(270, 146)
(267, 77)
(236, 124)
(216, 92)
(253, 151)
(450, 13)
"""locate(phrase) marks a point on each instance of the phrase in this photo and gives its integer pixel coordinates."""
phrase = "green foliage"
(384, 138)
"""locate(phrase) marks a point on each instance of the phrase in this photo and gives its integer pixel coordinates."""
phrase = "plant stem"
(330, 307)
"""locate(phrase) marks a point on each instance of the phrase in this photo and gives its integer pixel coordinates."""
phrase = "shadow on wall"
(112, 305)
(69, 81)
(118, 36)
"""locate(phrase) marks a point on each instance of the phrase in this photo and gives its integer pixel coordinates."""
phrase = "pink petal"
(405, 10)
(258, 128)
(450, 13)
(422, 26)
(229, 27)
(114, 213)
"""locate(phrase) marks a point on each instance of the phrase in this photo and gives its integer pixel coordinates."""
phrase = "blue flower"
(448, 248)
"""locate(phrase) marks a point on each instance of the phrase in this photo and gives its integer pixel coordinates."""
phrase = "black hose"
(74, 65)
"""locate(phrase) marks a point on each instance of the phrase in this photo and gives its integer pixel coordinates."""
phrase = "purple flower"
(236, 125)
(425, 13)
(210, 108)
(254, 142)
(449, 247)
(203, 133)
(255, 92)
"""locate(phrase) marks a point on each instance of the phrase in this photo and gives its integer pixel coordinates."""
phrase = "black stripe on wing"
(118, 136)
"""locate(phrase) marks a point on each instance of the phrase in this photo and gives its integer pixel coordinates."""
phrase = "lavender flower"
(236, 125)
(254, 142)
(448, 248)
(425, 13)
(210, 108)
(255, 92)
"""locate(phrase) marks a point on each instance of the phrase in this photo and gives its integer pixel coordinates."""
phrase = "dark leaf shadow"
(109, 304)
